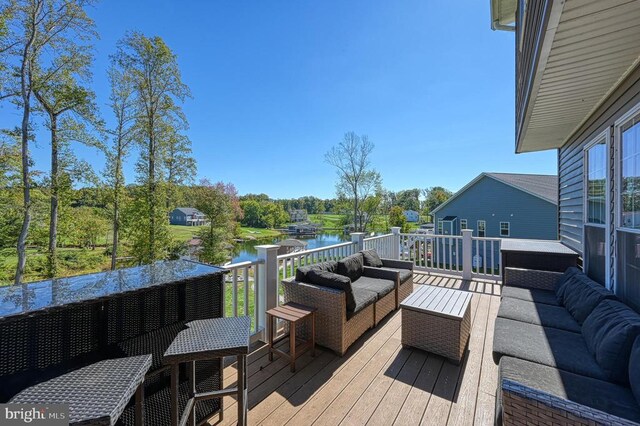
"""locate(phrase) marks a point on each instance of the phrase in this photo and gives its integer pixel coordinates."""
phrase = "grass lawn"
(328, 221)
(185, 233)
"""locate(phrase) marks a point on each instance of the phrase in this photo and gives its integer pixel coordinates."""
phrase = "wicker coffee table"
(437, 320)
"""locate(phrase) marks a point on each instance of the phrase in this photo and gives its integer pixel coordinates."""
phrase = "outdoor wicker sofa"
(350, 296)
(568, 352)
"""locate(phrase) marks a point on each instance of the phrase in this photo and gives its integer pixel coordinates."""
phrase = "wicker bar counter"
(52, 327)
(541, 255)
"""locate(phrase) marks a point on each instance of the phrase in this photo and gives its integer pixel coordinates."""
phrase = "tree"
(220, 204)
(357, 181)
(397, 218)
(58, 89)
(122, 103)
(434, 196)
(180, 165)
(409, 199)
(30, 28)
(90, 226)
(158, 89)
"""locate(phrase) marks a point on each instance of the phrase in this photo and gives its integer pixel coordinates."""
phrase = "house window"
(463, 224)
(595, 217)
(482, 226)
(628, 236)
(439, 226)
(505, 229)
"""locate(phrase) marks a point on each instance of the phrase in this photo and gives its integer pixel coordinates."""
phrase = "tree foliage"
(158, 90)
(434, 196)
(397, 218)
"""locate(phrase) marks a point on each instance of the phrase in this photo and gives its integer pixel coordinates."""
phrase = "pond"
(246, 251)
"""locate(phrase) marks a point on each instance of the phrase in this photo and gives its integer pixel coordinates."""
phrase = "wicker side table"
(206, 340)
(438, 320)
(96, 394)
(292, 313)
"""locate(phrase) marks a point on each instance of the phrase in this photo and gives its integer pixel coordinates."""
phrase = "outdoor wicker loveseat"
(351, 295)
(568, 352)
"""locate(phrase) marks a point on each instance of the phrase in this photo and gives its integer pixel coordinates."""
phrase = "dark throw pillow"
(582, 295)
(351, 266)
(610, 332)
(371, 258)
(302, 271)
(634, 369)
(562, 282)
(339, 282)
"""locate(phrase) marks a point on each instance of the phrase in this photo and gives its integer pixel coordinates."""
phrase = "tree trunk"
(152, 196)
(356, 225)
(116, 209)
(25, 91)
(53, 219)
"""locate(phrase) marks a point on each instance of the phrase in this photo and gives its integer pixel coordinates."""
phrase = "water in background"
(246, 251)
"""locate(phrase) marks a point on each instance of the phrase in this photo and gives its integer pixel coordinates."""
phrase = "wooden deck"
(378, 382)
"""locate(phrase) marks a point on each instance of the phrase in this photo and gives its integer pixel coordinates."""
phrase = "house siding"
(571, 160)
(494, 202)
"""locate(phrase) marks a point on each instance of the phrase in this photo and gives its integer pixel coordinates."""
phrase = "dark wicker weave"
(523, 405)
(42, 343)
(530, 278)
(96, 394)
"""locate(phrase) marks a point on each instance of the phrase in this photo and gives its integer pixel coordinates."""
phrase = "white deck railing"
(241, 292)
(254, 287)
(287, 263)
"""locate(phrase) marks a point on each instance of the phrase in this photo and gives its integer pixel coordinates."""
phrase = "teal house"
(502, 205)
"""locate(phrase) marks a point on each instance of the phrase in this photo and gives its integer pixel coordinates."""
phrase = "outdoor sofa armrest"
(329, 302)
(384, 274)
(522, 404)
(397, 264)
(531, 278)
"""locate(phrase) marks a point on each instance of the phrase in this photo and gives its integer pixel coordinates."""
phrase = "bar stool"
(96, 394)
(206, 340)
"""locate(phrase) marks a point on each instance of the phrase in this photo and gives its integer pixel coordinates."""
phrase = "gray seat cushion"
(363, 298)
(302, 271)
(598, 394)
(581, 295)
(531, 295)
(329, 279)
(405, 274)
(545, 345)
(634, 369)
(379, 286)
(371, 258)
(538, 313)
(610, 332)
(351, 266)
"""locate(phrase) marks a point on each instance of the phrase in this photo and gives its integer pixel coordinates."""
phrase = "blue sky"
(275, 84)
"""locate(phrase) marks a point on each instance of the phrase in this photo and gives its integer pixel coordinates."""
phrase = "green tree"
(397, 218)
(32, 30)
(180, 165)
(409, 199)
(220, 204)
(434, 196)
(90, 226)
(158, 90)
(252, 212)
(357, 180)
(123, 106)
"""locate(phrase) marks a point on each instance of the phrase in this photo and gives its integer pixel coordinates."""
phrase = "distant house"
(304, 229)
(411, 215)
(502, 205)
(187, 216)
(298, 215)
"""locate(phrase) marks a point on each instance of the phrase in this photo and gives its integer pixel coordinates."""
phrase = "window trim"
(619, 123)
(600, 137)
(439, 226)
(508, 229)
(484, 228)
(466, 226)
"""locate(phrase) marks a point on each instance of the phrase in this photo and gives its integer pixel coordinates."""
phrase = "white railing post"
(358, 239)
(467, 253)
(267, 284)
(395, 245)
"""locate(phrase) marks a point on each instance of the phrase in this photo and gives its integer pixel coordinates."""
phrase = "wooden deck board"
(378, 382)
